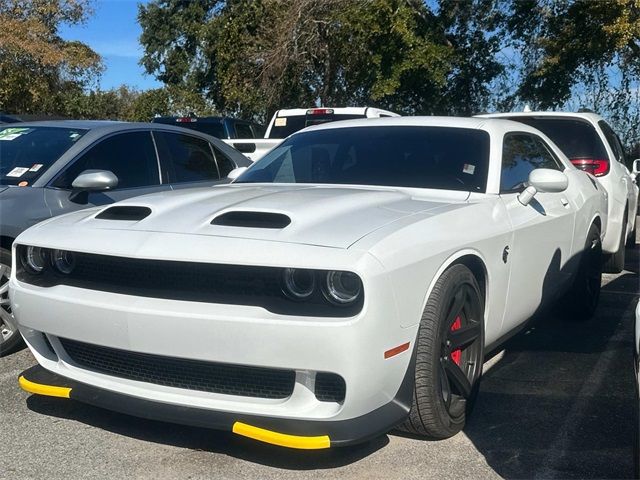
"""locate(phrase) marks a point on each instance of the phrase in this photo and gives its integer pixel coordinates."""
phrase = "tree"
(579, 53)
(251, 57)
(566, 40)
(36, 65)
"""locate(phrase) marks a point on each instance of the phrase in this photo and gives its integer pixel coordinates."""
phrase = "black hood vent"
(252, 220)
(131, 214)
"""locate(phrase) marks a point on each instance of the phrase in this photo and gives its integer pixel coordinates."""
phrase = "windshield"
(576, 138)
(285, 126)
(402, 156)
(27, 152)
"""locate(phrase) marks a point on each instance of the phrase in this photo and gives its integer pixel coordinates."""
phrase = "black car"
(219, 127)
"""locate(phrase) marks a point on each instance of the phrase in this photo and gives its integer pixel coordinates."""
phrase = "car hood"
(330, 216)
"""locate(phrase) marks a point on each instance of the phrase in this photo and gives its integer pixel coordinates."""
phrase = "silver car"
(51, 168)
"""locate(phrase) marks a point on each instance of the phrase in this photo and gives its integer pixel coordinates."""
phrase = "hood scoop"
(127, 213)
(252, 220)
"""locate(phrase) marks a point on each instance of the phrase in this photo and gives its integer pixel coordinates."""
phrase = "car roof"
(202, 119)
(454, 122)
(590, 116)
(103, 127)
(84, 124)
(291, 112)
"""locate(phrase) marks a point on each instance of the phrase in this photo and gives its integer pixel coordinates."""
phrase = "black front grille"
(180, 373)
(330, 387)
(189, 281)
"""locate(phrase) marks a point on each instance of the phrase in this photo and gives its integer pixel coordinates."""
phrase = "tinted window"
(186, 158)
(213, 129)
(614, 141)
(522, 153)
(243, 130)
(285, 126)
(577, 139)
(27, 152)
(225, 164)
(423, 157)
(258, 130)
(130, 156)
(210, 127)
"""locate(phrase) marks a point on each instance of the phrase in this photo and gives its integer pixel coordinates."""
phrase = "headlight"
(299, 283)
(35, 259)
(343, 288)
(64, 261)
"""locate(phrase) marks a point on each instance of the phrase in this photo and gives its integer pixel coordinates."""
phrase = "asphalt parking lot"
(557, 402)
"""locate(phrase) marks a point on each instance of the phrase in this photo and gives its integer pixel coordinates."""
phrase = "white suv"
(593, 146)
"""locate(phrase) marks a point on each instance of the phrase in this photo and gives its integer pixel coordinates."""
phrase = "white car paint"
(398, 240)
(619, 183)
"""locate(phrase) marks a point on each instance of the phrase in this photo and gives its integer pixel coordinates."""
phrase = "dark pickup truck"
(219, 127)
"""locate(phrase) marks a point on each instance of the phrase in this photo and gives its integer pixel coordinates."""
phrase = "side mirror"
(92, 181)
(236, 172)
(635, 168)
(543, 180)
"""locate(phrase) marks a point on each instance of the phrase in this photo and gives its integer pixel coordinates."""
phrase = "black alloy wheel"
(449, 355)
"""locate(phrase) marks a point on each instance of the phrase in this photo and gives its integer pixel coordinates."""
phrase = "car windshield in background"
(422, 157)
(27, 152)
(285, 126)
(576, 138)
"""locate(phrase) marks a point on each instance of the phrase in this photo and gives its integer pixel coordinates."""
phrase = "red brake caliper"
(456, 354)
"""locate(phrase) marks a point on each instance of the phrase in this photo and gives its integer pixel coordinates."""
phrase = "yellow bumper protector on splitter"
(281, 439)
(40, 389)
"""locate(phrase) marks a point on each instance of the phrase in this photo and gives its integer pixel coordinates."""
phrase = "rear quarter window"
(577, 139)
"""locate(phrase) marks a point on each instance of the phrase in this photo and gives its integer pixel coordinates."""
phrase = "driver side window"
(130, 156)
(522, 153)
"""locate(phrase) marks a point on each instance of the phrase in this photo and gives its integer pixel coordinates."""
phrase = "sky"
(113, 32)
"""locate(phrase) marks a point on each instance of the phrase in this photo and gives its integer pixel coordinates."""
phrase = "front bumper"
(352, 348)
(300, 434)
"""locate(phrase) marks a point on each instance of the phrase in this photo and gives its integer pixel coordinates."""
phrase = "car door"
(541, 247)
(131, 156)
(190, 161)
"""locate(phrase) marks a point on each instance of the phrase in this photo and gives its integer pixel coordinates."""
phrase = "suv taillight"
(596, 167)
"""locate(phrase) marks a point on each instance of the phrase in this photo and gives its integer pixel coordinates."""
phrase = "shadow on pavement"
(561, 402)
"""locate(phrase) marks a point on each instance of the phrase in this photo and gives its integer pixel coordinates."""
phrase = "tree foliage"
(566, 40)
(251, 57)
(36, 65)
(254, 56)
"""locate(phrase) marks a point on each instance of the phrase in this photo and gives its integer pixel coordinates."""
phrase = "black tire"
(446, 382)
(614, 263)
(581, 301)
(10, 339)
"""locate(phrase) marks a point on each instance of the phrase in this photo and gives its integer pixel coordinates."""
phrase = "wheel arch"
(475, 261)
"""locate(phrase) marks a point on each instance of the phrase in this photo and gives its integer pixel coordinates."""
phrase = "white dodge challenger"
(347, 283)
